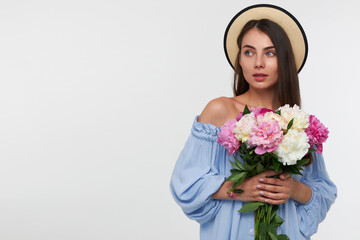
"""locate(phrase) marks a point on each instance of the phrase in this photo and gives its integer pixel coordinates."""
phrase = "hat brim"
(276, 14)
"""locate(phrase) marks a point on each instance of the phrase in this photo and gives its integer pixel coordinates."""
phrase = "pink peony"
(226, 137)
(260, 111)
(256, 110)
(239, 116)
(267, 136)
(317, 133)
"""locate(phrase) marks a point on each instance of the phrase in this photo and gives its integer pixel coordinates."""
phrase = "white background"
(97, 99)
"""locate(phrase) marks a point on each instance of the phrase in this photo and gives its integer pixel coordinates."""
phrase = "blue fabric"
(203, 166)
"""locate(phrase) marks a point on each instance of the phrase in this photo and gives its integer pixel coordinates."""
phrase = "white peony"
(276, 117)
(301, 119)
(243, 127)
(293, 147)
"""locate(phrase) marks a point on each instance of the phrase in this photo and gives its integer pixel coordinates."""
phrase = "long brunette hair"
(287, 87)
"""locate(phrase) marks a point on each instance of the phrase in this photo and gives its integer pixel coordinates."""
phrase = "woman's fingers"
(271, 201)
(274, 190)
(264, 188)
(269, 174)
(269, 188)
(272, 181)
(284, 176)
(274, 196)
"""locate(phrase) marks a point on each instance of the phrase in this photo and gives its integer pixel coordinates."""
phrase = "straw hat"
(276, 14)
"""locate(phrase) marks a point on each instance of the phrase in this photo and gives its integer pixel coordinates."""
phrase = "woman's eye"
(270, 54)
(248, 53)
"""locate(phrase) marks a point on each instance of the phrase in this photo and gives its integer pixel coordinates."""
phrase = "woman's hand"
(255, 189)
(263, 188)
(276, 190)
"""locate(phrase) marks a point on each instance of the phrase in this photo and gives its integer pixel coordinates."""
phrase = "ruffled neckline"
(205, 130)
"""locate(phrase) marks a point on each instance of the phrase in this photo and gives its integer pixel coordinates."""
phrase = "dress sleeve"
(196, 174)
(323, 196)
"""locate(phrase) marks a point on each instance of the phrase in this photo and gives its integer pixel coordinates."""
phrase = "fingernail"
(261, 193)
(266, 200)
(261, 179)
(258, 186)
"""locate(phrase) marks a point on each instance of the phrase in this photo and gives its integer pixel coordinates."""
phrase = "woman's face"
(258, 60)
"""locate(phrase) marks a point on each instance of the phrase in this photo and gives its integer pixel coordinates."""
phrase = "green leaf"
(236, 176)
(234, 165)
(278, 221)
(276, 165)
(246, 110)
(283, 237)
(278, 112)
(272, 236)
(251, 206)
(292, 169)
(238, 191)
(290, 124)
(271, 168)
(247, 155)
(295, 169)
(311, 150)
(302, 162)
(242, 178)
(249, 167)
(234, 186)
(235, 171)
(272, 229)
(259, 168)
(239, 164)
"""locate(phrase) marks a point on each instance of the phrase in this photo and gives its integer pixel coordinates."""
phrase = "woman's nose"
(260, 63)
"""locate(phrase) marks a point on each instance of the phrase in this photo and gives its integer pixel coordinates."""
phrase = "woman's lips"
(259, 77)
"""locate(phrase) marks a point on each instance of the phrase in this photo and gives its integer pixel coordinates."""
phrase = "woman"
(266, 68)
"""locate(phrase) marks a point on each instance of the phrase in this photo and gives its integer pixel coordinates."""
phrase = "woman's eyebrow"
(270, 47)
(249, 46)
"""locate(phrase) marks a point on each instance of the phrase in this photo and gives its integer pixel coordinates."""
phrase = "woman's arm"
(323, 196)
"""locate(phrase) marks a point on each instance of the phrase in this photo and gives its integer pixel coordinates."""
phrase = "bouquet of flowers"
(269, 140)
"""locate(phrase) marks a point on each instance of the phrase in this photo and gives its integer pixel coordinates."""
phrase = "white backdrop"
(97, 99)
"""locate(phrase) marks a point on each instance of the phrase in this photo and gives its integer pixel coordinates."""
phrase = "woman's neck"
(260, 98)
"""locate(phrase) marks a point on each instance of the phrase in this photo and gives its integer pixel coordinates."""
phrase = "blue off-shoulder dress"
(203, 166)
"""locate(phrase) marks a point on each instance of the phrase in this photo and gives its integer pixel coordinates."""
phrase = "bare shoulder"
(218, 111)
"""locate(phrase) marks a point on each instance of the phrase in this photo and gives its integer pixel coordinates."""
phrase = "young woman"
(266, 67)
